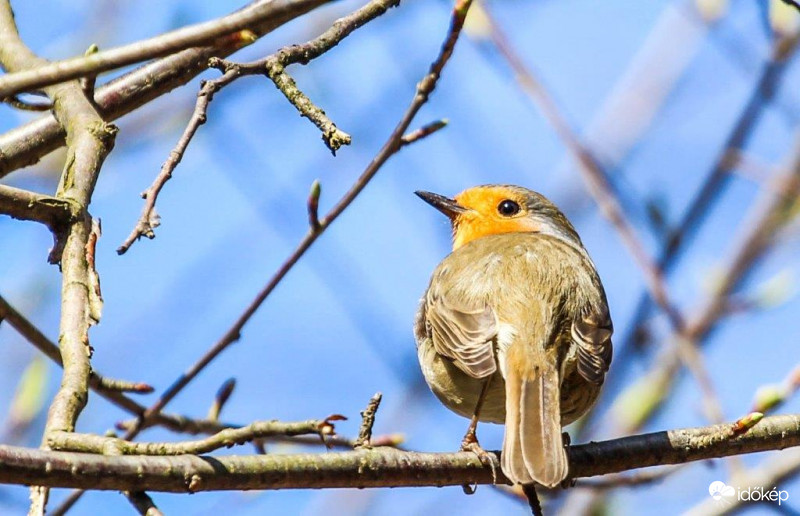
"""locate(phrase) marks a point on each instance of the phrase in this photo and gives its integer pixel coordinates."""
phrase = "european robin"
(514, 327)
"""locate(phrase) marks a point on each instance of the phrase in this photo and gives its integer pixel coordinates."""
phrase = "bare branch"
(143, 503)
(87, 443)
(16, 102)
(149, 219)
(89, 140)
(25, 145)
(94, 63)
(376, 467)
(333, 137)
(106, 387)
(21, 204)
(222, 397)
(424, 131)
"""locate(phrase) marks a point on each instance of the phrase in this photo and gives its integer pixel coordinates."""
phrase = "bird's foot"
(470, 444)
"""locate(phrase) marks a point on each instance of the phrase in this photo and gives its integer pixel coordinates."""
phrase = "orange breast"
(475, 225)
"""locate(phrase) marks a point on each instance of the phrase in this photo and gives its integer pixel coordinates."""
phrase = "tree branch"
(226, 438)
(376, 467)
(22, 204)
(93, 64)
(89, 140)
(26, 144)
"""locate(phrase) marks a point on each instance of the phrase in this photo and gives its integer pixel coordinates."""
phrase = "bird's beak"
(444, 204)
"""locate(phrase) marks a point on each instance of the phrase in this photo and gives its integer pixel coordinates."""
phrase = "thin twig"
(87, 443)
(425, 130)
(16, 102)
(367, 421)
(333, 137)
(143, 503)
(109, 388)
(149, 218)
(187, 425)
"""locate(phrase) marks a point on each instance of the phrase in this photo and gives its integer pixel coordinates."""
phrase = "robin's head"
(493, 209)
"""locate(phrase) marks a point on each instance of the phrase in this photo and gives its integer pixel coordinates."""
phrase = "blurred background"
(662, 93)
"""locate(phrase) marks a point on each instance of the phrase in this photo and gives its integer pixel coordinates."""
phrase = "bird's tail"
(533, 449)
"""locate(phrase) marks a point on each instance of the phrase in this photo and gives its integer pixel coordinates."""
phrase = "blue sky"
(338, 328)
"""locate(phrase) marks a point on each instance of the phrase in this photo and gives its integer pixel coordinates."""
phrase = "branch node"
(223, 395)
(743, 424)
(313, 206)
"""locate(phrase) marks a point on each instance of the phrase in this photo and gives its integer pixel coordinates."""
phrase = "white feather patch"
(506, 333)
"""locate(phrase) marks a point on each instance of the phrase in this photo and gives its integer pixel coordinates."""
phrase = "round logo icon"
(718, 490)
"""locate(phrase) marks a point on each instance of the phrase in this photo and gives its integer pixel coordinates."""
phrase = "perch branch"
(376, 467)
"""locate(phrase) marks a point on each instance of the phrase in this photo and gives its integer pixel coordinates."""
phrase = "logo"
(721, 492)
(725, 494)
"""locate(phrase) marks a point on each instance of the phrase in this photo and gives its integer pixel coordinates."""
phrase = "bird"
(514, 327)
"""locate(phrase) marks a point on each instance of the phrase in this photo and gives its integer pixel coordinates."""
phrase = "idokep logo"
(723, 493)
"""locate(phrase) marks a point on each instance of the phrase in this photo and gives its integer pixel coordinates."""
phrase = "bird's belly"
(458, 391)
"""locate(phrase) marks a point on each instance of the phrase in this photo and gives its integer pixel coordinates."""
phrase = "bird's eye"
(508, 208)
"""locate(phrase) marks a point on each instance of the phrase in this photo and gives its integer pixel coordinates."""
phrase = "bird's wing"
(464, 334)
(592, 333)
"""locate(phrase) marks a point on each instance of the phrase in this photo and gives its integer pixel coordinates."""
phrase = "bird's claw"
(472, 445)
